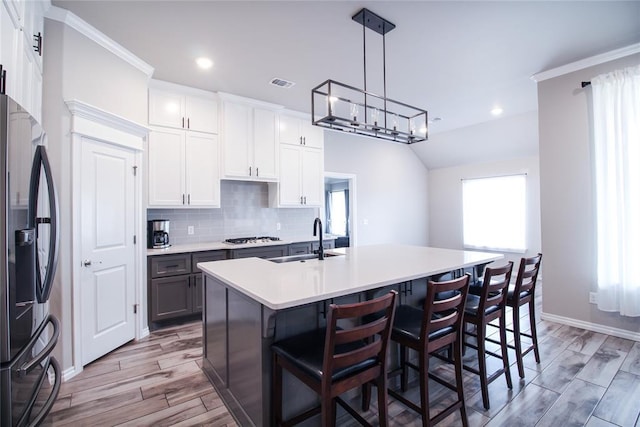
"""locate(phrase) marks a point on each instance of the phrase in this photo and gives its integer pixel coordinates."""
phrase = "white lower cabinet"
(183, 169)
(301, 176)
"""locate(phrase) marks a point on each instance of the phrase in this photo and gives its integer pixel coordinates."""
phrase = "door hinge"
(135, 308)
(134, 239)
(135, 171)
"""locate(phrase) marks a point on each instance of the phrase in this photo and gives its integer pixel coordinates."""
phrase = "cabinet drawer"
(170, 265)
(262, 252)
(197, 257)
(299, 248)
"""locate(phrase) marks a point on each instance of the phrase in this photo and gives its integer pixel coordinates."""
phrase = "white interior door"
(107, 291)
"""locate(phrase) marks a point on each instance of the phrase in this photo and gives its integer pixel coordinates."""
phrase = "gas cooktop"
(243, 240)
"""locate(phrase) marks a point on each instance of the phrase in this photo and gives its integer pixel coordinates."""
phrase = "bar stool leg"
(482, 364)
(424, 387)
(366, 396)
(404, 379)
(457, 349)
(534, 333)
(517, 339)
(503, 346)
(383, 414)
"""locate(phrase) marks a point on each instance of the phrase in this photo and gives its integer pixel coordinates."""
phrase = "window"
(337, 212)
(494, 213)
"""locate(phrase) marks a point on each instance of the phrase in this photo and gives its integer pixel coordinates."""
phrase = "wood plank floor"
(584, 379)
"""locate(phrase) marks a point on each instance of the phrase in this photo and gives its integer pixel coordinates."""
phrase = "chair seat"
(473, 302)
(408, 322)
(511, 292)
(306, 351)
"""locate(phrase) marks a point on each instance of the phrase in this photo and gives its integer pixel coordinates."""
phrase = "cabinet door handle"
(183, 199)
(188, 123)
(300, 140)
(183, 123)
(305, 200)
(249, 170)
(257, 172)
(304, 139)
(301, 200)
(189, 199)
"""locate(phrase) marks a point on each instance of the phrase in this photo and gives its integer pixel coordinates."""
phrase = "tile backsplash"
(244, 212)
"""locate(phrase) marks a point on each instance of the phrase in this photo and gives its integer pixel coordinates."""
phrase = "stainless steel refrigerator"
(29, 376)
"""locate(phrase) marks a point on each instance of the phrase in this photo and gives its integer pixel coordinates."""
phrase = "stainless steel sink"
(301, 258)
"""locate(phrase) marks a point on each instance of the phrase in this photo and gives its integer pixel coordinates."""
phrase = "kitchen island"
(249, 303)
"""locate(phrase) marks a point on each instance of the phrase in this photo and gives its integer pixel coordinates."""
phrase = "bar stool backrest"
(375, 333)
(448, 312)
(494, 289)
(527, 275)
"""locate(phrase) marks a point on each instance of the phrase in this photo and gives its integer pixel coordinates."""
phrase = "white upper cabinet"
(296, 130)
(301, 176)
(250, 144)
(182, 108)
(301, 162)
(183, 169)
(21, 35)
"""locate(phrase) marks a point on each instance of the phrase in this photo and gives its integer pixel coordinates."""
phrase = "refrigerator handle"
(25, 368)
(52, 397)
(41, 162)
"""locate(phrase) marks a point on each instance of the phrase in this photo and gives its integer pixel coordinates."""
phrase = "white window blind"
(494, 213)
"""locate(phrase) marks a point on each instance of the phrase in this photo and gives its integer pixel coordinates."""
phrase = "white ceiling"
(456, 59)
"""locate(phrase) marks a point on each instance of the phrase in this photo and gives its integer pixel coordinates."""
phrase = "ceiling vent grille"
(281, 83)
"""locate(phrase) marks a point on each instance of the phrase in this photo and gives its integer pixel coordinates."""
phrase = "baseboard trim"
(616, 332)
(69, 373)
(145, 332)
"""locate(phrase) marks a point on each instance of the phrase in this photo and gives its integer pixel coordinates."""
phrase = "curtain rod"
(585, 84)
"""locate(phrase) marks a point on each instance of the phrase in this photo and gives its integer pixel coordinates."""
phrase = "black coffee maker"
(158, 234)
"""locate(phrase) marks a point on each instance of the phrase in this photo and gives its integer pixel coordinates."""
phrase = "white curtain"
(616, 114)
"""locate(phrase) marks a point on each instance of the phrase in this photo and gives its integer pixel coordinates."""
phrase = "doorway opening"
(340, 207)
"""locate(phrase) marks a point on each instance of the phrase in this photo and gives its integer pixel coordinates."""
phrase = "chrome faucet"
(317, 223)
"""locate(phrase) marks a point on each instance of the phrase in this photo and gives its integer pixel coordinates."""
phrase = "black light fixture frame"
(390, 120)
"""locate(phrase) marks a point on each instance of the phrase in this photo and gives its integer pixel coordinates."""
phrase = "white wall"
(445, 202)
(567, 198)
(77, 68)
(391, 192)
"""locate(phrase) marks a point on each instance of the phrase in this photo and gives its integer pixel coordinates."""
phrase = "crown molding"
(113, 121)
(586, 63)
(72, 20)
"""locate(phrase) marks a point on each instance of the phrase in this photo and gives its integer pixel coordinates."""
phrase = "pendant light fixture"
(338, 106)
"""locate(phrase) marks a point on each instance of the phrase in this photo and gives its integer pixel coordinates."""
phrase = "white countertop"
(285, 285)
(214, 246)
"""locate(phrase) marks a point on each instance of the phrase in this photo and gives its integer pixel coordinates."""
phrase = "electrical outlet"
(593, 298)
(277, 226)
(190, 229)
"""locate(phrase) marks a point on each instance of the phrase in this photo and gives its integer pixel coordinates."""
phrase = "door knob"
(86, 262)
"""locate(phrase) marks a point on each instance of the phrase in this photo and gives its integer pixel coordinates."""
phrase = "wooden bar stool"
(521, 294)
(436, 327)
(334, 360)
(479, 311)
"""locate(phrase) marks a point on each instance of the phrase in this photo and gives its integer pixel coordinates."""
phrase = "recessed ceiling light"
(204, 63)
(496, 111)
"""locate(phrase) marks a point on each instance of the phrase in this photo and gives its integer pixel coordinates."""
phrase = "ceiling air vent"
(281, 83)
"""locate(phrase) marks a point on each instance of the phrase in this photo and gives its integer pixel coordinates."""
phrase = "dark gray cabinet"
(261, 252)
(329, 244)
(300, 248)
(175, 284)
(170, 297)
